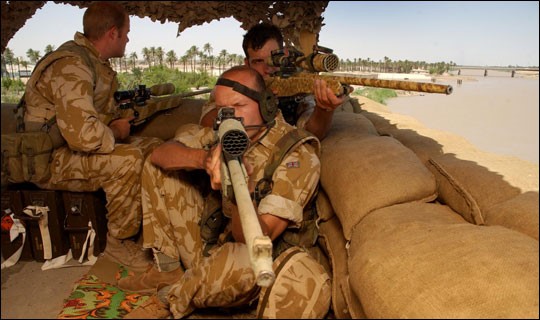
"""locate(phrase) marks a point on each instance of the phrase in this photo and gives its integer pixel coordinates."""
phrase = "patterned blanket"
(93, 298)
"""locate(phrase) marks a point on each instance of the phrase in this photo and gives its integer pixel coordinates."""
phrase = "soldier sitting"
(173, 209)
(70, 96)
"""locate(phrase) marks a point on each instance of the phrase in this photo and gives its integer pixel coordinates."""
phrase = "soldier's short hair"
(101, 16)
(259, 34)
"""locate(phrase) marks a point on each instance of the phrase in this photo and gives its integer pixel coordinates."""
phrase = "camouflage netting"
(293, 17)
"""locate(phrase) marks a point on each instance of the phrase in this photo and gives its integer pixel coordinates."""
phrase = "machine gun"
(234, 142)
(143, 103)
(297, 73)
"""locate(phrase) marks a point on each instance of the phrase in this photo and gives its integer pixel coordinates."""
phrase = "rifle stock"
(234, 142)
(302, 83)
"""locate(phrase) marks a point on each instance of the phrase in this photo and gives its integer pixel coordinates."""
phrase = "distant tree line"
(194, 60)
(197, 59)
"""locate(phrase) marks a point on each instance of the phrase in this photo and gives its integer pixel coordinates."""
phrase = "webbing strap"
(42, 214)
(16, 229)
(286, 144)
(283, 146)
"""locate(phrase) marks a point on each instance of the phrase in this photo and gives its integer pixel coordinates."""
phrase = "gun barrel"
(259, 246)
(396, 84)
(319, 62)
(303, 84)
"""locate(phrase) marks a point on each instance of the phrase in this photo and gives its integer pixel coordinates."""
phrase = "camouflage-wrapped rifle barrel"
(156, 104)
(302, 83)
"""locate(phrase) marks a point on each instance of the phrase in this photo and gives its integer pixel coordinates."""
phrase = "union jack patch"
(293, 164)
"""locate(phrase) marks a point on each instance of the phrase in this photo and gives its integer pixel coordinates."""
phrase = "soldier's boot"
(128, 253)
(164, 271)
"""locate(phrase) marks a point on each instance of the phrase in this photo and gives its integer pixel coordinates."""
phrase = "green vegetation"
(12, 90)
(376, 94)
(183, 81)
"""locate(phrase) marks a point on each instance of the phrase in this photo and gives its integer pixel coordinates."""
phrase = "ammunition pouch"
(26, 157)
(212, 222)
(304, 237)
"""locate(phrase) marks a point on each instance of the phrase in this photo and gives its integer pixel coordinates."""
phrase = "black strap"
(238, 87)
(282, 148)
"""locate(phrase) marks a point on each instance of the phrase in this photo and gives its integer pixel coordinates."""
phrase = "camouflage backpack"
(26, 154)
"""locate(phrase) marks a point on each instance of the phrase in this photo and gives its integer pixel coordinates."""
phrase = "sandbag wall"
(410, 254)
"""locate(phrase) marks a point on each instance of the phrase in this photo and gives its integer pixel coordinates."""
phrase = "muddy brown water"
(497, 113)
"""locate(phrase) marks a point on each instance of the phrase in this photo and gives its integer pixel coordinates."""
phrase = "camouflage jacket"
(75, 85)
(295, 180)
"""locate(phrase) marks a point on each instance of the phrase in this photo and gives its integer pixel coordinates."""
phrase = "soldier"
(314, 113)
(173, 209)
(70, 94)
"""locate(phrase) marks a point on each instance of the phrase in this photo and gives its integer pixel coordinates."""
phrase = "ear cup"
(268, 106)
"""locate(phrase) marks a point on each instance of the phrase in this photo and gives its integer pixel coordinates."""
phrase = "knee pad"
(302, 288)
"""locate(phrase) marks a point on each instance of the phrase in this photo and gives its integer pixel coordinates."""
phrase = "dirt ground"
(30, 293)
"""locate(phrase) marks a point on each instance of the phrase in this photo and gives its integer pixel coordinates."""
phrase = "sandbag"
(344, 304)
(519, 213)
(423, 261)
(468, 188)
(368, 172)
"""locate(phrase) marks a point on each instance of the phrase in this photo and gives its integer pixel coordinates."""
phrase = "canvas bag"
(26, 156)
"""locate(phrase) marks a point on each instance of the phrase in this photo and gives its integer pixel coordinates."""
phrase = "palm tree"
(208, 49)
(159, 55)
(192, 54)
(222, 58)
(49, 48)
(33, 55)
(171, 58)
(153, 54)
(147, 56)
(133, 58)
(24, 64)
(184, 59)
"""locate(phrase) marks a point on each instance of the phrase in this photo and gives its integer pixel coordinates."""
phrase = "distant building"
(25, 73)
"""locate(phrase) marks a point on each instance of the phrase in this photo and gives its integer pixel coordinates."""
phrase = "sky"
(472, 33)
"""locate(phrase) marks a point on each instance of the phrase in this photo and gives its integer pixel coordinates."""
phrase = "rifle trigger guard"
(262, 189)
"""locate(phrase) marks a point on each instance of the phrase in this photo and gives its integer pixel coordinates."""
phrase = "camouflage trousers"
(118, 173)
(172, 209)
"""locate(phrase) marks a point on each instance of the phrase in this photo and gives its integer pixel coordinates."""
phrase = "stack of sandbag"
(414, 245)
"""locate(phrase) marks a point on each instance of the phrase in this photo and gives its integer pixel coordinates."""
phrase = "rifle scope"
(314, 62)
(130, 94)
(142, 94)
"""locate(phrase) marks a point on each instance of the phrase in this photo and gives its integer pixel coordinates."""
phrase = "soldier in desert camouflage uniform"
(313, 112)
(70, 94)
(172, 210)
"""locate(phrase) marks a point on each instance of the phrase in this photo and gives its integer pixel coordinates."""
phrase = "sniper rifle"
(298, 72)
(143, 103)
(234, 143)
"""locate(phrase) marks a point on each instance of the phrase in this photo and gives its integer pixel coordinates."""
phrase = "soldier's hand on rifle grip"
(121, 128)
(325, 98)
(212, 166)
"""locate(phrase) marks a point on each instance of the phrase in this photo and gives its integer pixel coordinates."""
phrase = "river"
(497, 113)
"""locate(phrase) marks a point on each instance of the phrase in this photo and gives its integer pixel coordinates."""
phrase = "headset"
(268, 103)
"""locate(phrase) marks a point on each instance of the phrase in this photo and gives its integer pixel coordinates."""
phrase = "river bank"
(496, 113)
